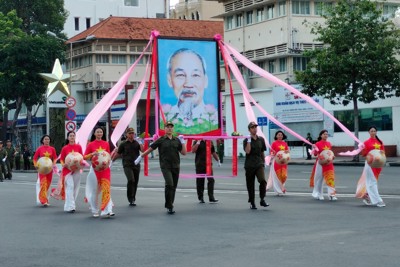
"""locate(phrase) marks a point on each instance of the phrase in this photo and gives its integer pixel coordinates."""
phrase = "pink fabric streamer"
(130, 111)
(361, 146)
(105, 103)
(275, 80)
(246, 94)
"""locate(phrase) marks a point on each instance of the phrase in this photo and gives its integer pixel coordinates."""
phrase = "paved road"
(294, 231)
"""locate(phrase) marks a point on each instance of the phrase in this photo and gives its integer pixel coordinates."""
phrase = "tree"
(30, 52)
(358, 61)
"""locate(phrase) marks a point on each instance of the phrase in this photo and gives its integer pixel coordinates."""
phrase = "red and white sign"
(70, 126)
(70, 102)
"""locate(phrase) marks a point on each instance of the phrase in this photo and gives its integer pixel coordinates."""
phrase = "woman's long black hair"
(66, 140)
(46, 135)
(320, 133)
(94, 137)
(376, 136)
(284, 135)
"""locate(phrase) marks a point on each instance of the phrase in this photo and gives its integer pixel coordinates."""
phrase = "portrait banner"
(188, 83)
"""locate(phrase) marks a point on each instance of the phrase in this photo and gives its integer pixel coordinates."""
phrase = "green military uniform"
(10, 161)
(254, 166)
(168, 149)
(3, 154)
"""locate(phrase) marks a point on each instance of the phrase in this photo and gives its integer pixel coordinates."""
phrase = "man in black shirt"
(199, 147)
(129, 150)
(254, 146)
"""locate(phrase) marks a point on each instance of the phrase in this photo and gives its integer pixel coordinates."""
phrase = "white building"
(271, 34)
(83, 14)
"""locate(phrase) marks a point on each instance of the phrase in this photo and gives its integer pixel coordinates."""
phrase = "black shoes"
(132, 204)
(263, 203)
(213, 200)
(253, 206)
(170, 211)
(201, 201)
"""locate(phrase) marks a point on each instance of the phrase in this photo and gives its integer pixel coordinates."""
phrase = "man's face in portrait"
(187, 78)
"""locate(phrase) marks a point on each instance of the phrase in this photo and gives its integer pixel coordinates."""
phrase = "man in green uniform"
(3, 156)
(10, 159)
(254, 146)
(169, 148)
(129, 150)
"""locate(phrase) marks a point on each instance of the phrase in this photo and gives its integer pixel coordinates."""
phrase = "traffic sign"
(70, 102)
(262, 121)
(70, 114)
(70, 126)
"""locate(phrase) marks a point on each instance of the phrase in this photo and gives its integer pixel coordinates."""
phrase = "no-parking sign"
(70, 126)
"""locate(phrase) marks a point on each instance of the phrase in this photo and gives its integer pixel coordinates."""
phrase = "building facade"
(196, 10)
(83, 14)
(271, 34)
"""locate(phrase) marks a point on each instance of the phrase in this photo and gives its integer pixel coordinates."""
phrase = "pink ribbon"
(275, 80)
(82, 135)
(130, 111)
(246, 94)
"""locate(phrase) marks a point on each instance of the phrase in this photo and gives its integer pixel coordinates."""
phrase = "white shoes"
(332, 198)
(321, 197)
(381, 204)
(367, 202)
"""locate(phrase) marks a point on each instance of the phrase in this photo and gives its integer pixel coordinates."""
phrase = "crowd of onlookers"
(13, 158)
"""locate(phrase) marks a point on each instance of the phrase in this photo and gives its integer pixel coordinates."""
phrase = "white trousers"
(71, 185)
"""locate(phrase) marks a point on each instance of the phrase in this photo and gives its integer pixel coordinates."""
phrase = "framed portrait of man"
(188, 83)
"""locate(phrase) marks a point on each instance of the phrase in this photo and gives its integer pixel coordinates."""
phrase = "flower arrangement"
(235, 134)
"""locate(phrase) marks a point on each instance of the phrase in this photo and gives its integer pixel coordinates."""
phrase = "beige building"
(196, 10)
(271, 33)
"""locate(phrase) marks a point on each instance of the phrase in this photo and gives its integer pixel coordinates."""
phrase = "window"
(320, 7)
(76, 24)
(261, 64)
(301, 7)
(118, 59)
(282, 65)
(249, 17)
(282, 8)
(88, 96)
(87, 23)
(229, 23)
(271, 66)
(382, 118)
(140, 62)
(260, 15)
(102, 59)
(239, 19)
(100, 94)
(299, 63)
(132, 2)
(270, 11)
(389, 9)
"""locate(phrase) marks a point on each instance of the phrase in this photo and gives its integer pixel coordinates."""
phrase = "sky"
(173, 2)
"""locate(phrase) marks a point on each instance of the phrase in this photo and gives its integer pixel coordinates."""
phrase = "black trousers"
(200, 187)
(171, 177)
(27, 164)
(132, 175)
(251, 174)
(17, 163)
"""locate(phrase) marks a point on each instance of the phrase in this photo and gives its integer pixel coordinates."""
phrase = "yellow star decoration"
(47, 154)
(377, 146)
(100, 149)
(57, 80)
(282, 147)
(326, 148)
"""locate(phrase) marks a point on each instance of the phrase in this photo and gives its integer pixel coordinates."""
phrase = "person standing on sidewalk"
(199, 147)
(10, 159)
(308, 147)
(3, 158)
(169, 148)
(17, 157)
(367, 186)
(129, 150)
(254, 146)
(26, 154)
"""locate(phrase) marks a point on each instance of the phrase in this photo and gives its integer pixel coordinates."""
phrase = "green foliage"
(38, 16)
(357, 62)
